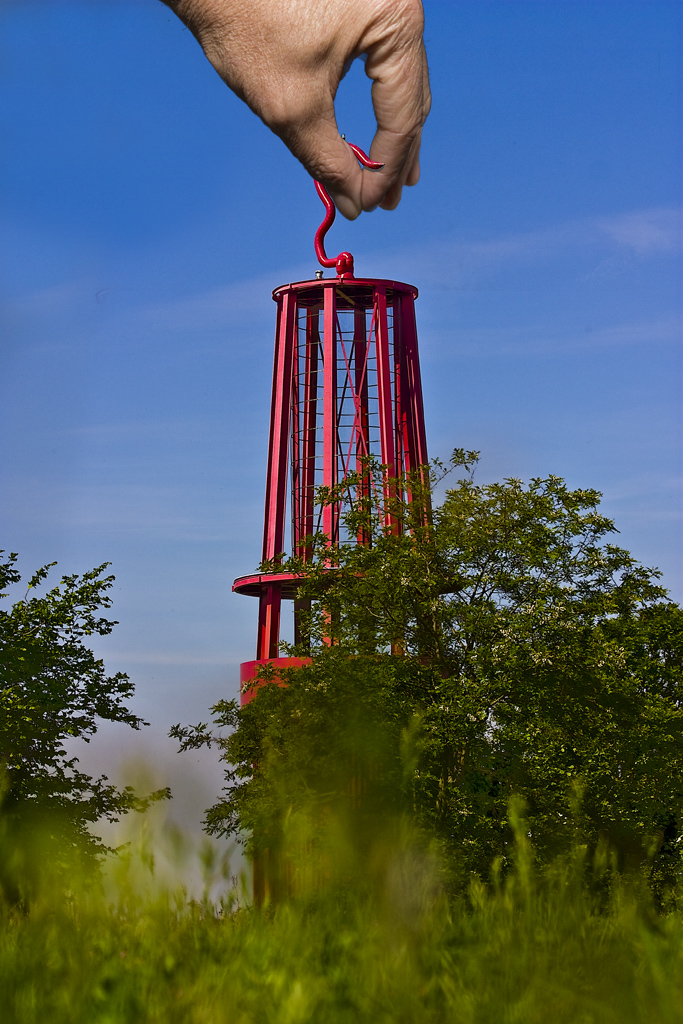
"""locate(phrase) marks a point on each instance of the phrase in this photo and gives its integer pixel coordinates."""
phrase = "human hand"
(286, 58)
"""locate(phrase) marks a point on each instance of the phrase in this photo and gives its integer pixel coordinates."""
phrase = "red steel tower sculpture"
(346, 387)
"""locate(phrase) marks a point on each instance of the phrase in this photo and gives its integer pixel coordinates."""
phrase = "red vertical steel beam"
(416, 451)
(386, 418)
(401, 394)
(404, 434)
(413, 426)
(308, 397)
(330, 440)
(360, 350)
(297, 441)
(386, 411)
(270, 600)
(309, 432)
(362, 420)
(276, 479)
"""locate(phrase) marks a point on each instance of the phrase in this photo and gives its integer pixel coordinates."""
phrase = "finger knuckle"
(407, 18)
(413, 17)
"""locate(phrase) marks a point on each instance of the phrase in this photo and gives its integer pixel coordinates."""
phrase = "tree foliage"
(500, 644)
(53, 688)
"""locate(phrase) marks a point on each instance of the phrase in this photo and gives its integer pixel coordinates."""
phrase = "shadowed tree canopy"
(500, 644)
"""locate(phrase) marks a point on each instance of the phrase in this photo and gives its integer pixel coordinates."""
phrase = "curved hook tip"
(344, 261)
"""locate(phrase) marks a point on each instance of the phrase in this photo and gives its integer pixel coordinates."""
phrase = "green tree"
(53, 688)
(500, 646)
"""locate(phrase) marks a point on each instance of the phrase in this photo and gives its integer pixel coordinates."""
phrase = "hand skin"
(286, 58)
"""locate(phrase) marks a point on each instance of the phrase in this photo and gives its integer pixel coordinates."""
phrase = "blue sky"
(147, 215)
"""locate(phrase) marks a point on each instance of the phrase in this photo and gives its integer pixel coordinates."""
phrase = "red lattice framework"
(346, 388)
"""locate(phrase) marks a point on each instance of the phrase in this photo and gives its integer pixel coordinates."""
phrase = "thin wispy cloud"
(524, 340)
(170, 513)
(137, 429)
(242, 304)
(447, 262)
(246, 306)
(171, 658)
(647, 489)
(647, 232)
(444, 262)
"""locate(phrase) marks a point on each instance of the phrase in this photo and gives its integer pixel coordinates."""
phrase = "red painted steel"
(306, 526)
(361, 350)
(346, 389)
(249, 672)
(386, 428)
(329, 439)
(276, 479)
(344, 261)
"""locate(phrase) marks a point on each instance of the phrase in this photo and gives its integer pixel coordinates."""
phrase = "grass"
(531, 948)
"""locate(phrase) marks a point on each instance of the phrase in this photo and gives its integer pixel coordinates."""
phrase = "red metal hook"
(344, 261)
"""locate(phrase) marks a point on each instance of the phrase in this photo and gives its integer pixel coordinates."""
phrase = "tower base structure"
(250, 678)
